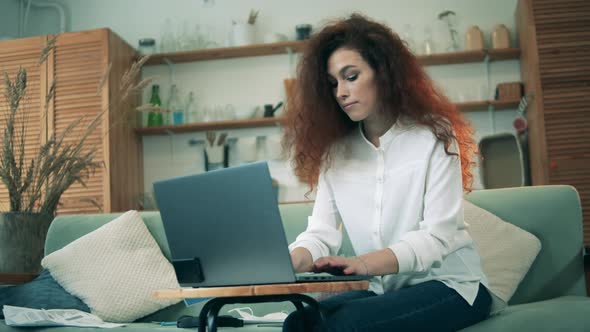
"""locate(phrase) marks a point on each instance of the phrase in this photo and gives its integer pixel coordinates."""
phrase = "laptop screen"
(228, 219)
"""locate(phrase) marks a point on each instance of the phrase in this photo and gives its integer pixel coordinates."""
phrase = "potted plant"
(35, 184)
(448, 17)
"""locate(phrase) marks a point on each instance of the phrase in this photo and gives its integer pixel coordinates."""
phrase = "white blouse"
(405, 195)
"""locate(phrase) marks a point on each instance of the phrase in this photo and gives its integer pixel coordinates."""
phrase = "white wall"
(40, 20)
(254, 81)
(9, 11)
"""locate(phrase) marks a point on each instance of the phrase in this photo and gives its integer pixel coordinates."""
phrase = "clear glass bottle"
(155, 117)
(175, 107)
(429, 46)
(408, 36)
(190, 112)
(168, 41)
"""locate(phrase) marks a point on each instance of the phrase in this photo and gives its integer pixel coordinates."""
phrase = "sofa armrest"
(16, 278)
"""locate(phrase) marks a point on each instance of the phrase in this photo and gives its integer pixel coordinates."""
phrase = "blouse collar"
(388, 136)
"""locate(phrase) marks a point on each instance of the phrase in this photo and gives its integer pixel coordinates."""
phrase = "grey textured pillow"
(41, 293)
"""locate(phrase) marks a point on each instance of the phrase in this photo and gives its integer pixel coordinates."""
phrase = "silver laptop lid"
(228, 219)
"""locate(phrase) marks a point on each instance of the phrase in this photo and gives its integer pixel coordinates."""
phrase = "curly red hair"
(315, 121)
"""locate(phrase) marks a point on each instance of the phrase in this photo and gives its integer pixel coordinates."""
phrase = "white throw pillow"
(507, 251)
(115, 270)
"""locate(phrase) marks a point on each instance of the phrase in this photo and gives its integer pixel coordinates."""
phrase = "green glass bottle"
(155, 118)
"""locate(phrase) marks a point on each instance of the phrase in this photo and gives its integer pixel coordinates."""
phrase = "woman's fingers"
(349, 270)
(330, 261)
(333, 264)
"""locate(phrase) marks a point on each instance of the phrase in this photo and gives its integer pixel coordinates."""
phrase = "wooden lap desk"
(256, 293)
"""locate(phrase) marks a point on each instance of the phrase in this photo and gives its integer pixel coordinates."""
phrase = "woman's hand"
(376, 263)
(339, 265)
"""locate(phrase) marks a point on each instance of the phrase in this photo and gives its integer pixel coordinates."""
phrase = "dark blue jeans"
(429, 306)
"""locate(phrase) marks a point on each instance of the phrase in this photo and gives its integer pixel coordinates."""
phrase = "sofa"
(551, 297)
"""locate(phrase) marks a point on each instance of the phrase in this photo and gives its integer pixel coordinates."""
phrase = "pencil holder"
(215, 157)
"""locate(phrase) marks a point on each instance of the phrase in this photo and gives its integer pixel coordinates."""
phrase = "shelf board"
(226, 52)
(504, 54)
(469, 56)
(451, 58)
(297, 46)
(271, 122)
(205, 126)
(474, 106)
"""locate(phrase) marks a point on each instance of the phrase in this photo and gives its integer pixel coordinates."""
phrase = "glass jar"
(147, 46)
(302, 31)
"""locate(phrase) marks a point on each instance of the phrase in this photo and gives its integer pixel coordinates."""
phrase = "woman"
(389, 156)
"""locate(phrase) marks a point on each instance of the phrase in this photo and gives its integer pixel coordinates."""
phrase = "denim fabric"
(429, 306)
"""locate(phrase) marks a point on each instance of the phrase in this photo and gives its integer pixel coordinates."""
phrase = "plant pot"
(22, 240)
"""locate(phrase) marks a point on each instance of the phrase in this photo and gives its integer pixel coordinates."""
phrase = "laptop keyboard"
(316, 277)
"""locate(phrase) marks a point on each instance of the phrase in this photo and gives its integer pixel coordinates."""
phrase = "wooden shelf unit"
(226, 52)
(214, 125)
(270, 122)
(298, 46)
(469, 56)
(474, 106)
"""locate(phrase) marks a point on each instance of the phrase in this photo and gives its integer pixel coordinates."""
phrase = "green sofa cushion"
(566, 313)
(554, 215)
(65, 229)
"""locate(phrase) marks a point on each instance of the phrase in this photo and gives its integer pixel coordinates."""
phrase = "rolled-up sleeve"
(322, 236)
(442, 230)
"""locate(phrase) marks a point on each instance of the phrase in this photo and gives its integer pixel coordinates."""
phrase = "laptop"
(224, 229)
